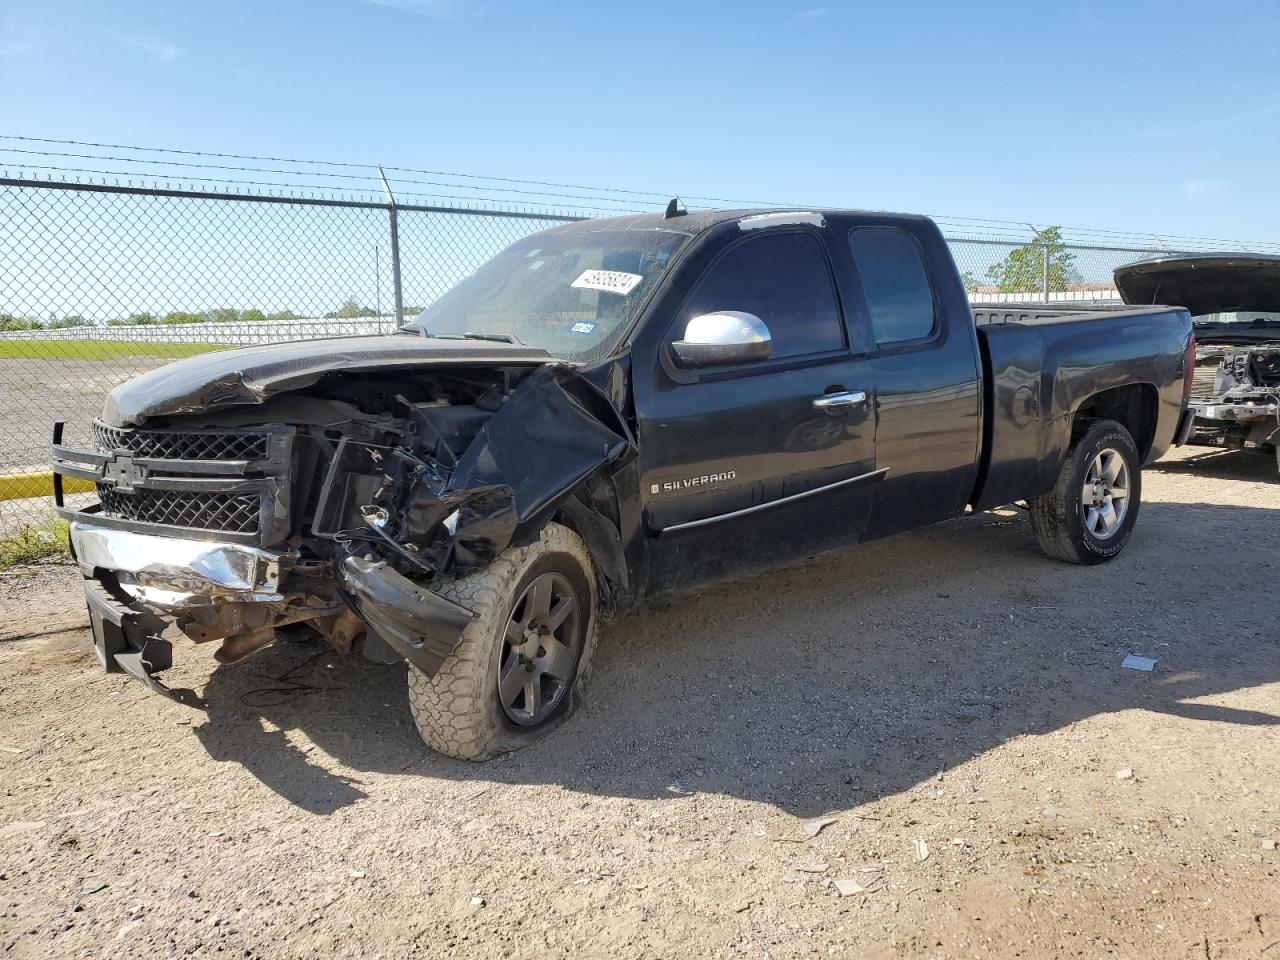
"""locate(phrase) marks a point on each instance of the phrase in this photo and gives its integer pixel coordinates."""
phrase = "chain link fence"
(99, 283)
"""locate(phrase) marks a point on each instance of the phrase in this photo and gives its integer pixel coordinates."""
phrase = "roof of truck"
(695, 221)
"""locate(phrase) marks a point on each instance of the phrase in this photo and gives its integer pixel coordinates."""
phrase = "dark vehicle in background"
(1234, 300)
(605, 411)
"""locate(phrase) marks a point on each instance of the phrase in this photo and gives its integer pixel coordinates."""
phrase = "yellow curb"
(22, 486)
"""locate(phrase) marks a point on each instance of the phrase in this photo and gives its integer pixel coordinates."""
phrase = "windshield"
(1240, 316)
(571, 293)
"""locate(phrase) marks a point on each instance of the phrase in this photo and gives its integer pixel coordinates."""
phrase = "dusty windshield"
(570, 293)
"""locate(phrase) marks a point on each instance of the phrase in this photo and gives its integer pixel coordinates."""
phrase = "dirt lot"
(949, 695)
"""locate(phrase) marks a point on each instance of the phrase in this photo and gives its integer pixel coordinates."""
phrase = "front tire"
(1089, 515)
(520, 667)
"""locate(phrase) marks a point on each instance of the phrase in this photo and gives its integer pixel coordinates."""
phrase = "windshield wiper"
(495, 337)
(499, 337)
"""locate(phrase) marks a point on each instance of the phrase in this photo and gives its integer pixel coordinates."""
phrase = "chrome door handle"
(837, 401)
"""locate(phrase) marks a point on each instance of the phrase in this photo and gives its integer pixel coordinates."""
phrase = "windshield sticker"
(610, 281)
(536, 264)
(582, 327)
(533, 253)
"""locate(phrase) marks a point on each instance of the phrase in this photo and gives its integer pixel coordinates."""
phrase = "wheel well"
(582, 514)
(1134, 406)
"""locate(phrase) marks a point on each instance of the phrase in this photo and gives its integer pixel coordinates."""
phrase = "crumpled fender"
(554, 430)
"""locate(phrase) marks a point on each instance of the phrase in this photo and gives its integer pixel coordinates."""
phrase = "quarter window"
(895, 284)
(783, 279)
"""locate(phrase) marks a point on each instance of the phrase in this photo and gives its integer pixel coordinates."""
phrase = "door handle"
(840, 400)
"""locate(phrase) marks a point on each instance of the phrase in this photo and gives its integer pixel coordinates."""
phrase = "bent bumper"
(136, 583)
(169, 569)
(128, 641)
(421, 626)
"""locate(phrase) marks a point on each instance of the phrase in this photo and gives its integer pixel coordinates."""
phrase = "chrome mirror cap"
(721, 338)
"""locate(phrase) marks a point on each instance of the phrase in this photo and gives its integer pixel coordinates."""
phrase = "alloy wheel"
(540, 650)
(1104, 500)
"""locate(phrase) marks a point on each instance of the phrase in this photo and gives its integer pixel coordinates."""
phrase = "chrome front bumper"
(168, 570)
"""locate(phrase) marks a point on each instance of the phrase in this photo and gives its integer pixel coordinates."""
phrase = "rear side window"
(783, 279)
(895, 284)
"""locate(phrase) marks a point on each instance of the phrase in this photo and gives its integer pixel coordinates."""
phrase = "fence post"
(1046, 272)
(395, 248)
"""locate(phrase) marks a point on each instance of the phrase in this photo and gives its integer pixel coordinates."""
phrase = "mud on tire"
(458, 711)
(1057, 518)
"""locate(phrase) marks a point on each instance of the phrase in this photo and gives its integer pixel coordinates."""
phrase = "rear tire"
(460, 711)
(1089, 514)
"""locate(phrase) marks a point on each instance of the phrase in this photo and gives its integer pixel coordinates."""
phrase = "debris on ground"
(815, 827)
(922, 851)
(1125, 773)
(1138, 663)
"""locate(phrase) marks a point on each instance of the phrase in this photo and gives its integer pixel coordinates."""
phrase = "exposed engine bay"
(335, 508)
(1235, 394)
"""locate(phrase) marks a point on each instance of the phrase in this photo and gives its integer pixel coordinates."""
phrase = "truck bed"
(1050, 312)
(1040, 360)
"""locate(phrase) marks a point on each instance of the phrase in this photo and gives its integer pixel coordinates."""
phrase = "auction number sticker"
(611, 281)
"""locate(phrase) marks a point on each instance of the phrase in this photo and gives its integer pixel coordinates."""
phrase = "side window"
(895, 284)
(783, 279)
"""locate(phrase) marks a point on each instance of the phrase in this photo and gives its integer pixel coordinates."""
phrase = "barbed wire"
(612, 196)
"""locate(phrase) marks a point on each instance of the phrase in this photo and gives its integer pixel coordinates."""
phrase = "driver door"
(754, 462)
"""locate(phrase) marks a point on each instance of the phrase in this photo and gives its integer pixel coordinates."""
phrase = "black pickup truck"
(604, 411)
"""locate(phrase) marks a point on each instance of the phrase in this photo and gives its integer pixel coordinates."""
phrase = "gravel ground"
(951, 701)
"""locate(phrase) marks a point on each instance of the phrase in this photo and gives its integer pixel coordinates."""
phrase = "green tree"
(9, 322)
(252, 316)
(65, 323)
(350, 310)
(183, 316)
(223, 315)
(1023, 270)
(284, 315)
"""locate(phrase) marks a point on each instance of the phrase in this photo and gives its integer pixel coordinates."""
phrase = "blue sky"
(1161, 117)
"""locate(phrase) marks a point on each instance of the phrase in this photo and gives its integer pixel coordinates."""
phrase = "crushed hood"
(249, 375)
(1204, 283)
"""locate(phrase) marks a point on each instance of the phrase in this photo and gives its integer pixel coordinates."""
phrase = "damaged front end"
(334, 510)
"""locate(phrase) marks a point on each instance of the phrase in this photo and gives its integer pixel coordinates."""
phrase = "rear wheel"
(520, 667)
(1089, 514)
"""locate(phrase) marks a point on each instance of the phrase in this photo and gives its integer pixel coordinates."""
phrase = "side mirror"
(722, 338)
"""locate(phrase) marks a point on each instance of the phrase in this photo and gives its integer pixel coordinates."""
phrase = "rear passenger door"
(750, 464)
(926, 369)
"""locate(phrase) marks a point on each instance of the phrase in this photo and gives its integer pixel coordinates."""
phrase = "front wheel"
(1089, 514)
(519, 668)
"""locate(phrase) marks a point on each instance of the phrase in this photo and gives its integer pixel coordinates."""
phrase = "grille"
(228, 512)
(182, 445)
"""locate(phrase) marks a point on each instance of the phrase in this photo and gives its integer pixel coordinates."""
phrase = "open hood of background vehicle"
(1204, 283)
(246, 375)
